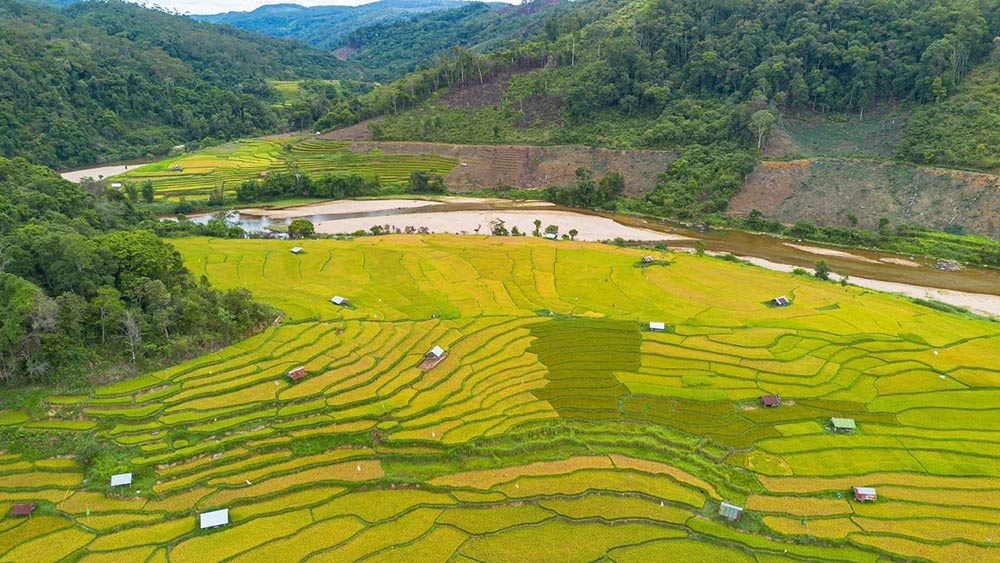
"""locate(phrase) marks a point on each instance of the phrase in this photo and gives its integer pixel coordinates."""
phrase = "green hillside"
(716, 83)
(389, 50)
(962, 129)
(87, 291)
(101, 81)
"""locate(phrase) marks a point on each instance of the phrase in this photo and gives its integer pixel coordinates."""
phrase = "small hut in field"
(213, 519)
(121, 480)
(864, 494)
(730, 511)
(297, 373)
(433, 358)
(23, 510)
(771, 401)
(297, 250)
(657, 327)
(843, 425)
(340, 301)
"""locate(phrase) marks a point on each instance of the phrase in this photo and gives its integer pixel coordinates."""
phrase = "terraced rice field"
(199, 174)
(558, 428)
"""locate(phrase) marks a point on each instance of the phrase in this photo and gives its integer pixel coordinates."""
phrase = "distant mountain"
(325, 27)
(389, 50)
(110, 80)
(390, 38)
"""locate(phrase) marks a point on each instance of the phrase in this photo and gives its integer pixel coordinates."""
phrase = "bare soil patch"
(534, 167)
(829, 191)
(356, 132)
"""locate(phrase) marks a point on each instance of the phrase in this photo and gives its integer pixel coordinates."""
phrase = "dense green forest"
(102, 81)
(325, 27)
(87, 291)
(706, 79)
(963, 129)
(389, 50)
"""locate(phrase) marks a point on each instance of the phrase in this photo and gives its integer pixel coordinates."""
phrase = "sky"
(217, 6)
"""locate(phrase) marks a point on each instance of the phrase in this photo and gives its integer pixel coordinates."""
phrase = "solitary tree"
(822, 270)
(552, 230)
(148, 191)
(538, 228)
(301, 228)
(573, 233)
(761, 123)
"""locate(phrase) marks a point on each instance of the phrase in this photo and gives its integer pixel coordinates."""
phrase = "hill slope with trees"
(84, 292)
(101, 81)
(708, 80)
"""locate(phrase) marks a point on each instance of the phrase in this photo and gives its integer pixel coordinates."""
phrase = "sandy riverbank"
(590, 228)
(981, 303)
(829, 252)
(344, 206)
(96, 173)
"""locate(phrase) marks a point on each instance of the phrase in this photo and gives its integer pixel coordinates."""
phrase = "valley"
(368, 445)
(567, 280)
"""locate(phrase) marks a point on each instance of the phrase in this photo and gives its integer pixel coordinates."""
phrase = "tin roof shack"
(433, 358)
(340, 301)
(730, 511)
(781, 301)
(843, 425)
(297, 250)
(214, 519)
(297, 373)
(657, 327)
(121, 480)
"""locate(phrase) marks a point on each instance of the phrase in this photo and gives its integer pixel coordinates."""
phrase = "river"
(977, 289)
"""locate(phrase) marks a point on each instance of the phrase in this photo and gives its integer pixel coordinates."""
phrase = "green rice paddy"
(200, 173)
(558, 428)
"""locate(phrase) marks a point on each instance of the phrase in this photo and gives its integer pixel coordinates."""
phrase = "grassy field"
(198, 174)
(558, 428)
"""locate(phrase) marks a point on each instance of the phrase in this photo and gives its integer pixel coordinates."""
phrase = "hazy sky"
(217, 6)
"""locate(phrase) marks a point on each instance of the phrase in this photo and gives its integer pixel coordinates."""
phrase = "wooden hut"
(22, 510)
(433, 358)
(772, 401)
(864, 494)
(297, 373)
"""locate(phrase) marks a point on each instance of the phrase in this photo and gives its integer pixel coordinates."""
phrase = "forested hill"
(325, 27)
(388, 50)
(390, 38)
(706, 79)
(85, 293)
(110, 80)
